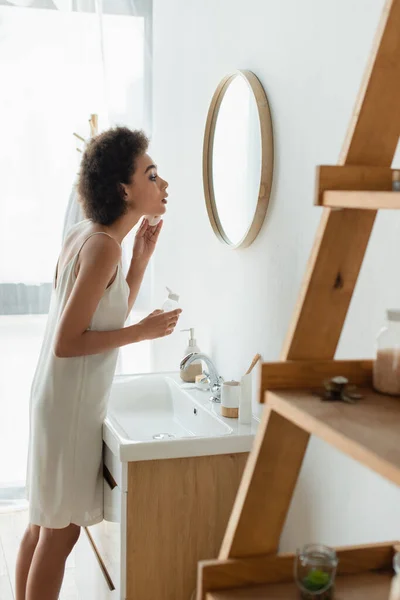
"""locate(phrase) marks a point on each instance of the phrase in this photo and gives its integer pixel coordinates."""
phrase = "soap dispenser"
(189, 374)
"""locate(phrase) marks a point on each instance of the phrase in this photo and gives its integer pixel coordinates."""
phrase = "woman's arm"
(98, 261)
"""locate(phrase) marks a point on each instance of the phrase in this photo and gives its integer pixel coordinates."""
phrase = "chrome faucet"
(212, 375)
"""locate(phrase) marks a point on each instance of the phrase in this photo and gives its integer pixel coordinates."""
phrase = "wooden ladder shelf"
(249, 564)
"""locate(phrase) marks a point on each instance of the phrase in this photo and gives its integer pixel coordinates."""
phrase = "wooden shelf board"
(361, 199)
(367, 586)
(368, 431)
(307, 374)
(351, 177)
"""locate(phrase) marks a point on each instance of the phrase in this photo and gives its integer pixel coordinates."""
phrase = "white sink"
(154, 408)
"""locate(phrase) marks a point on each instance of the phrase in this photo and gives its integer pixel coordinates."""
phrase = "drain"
(164, 436)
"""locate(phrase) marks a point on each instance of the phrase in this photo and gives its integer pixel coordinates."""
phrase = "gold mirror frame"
(267, 158)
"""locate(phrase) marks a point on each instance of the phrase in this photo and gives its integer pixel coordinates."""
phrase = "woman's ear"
(124, 191)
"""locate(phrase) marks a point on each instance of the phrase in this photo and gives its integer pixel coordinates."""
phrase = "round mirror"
(238, 159)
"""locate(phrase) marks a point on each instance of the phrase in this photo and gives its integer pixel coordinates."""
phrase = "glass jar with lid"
(386, 371)
(315, 571)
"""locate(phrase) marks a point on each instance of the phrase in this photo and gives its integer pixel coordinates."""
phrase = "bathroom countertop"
(240, 439)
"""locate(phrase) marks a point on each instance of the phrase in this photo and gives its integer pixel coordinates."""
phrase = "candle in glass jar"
(386, 371)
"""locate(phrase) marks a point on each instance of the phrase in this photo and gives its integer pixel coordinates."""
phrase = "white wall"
(310, 56)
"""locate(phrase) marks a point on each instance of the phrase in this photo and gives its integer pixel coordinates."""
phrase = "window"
(56, 70)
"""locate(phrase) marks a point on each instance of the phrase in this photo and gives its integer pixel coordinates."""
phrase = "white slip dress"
(68, 405)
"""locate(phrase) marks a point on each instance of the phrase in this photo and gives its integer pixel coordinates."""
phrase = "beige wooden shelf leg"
(274, 464)
(266, 488)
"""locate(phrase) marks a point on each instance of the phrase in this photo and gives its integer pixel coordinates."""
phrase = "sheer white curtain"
(60, 62)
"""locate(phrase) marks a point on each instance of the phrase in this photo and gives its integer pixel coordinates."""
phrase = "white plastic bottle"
(245, 408)
(171, 302)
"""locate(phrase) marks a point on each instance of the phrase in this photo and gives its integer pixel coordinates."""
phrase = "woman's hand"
(158, 324)
(145, 243)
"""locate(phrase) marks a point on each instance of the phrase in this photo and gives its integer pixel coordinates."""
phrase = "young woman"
(91, 299)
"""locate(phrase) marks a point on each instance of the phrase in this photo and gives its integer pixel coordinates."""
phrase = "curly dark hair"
(108, 161)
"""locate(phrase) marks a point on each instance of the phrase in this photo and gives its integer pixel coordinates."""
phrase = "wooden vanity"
(161, 518)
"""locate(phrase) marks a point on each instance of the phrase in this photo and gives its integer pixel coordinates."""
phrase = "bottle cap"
(172, 296)
(393, 314)
(396, 175)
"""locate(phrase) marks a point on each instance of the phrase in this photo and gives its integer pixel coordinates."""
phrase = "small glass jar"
(315, 571)
(396, 181)
(395, 587)
(386, 372)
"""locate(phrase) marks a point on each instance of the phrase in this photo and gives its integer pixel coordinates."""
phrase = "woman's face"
(147, 191)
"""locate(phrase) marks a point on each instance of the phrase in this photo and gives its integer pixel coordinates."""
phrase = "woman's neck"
(121, 227)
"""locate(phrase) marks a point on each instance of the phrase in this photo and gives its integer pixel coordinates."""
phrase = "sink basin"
(156, 408)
